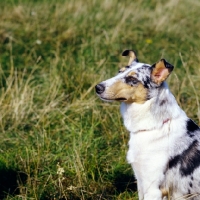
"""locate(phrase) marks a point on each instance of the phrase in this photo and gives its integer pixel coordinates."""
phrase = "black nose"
(99, 88)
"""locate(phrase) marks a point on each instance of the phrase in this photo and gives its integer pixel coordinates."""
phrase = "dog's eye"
(131, 80)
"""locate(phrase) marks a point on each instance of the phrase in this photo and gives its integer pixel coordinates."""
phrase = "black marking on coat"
(162, 102)
(189, 160)
(131, 80)
(190, 184)
(136, 60)
(192, 178)
(148, 97)
(144, 66)
(174, 161)
(189, 191)
(191, 127)
(146, 82)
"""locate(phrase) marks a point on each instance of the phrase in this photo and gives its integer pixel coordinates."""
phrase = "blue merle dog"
(164, 145)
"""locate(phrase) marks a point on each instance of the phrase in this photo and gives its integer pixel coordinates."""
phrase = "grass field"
(57, 139)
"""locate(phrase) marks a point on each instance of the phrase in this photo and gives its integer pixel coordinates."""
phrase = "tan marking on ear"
(131, 54)
(130, 94)
(131, 73)
(122, 69)
(159, 73)
(132, 57)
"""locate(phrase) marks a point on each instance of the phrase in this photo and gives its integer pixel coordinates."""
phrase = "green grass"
(52, 53)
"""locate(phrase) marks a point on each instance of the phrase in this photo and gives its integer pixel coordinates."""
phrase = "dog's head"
(135, 82)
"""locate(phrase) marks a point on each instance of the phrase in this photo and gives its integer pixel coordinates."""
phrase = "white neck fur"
(153, 113)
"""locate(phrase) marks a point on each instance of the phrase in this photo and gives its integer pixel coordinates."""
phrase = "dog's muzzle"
(100, 88)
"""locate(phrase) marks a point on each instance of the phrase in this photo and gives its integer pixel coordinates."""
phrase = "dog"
(164, 145)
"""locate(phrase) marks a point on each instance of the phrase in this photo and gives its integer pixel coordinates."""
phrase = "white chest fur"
(153, 135)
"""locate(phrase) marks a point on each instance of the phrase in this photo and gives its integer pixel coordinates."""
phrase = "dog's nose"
(100, 88)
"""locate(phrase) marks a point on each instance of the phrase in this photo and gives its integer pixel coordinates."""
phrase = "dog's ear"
(132, 56)
(160, 71)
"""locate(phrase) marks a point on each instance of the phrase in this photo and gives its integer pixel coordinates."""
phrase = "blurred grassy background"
(57, 139)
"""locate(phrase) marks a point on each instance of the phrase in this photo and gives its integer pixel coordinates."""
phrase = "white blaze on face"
(121, 75)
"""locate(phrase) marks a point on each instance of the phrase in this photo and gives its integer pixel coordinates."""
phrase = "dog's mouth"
(116, 99)
(121, 99)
